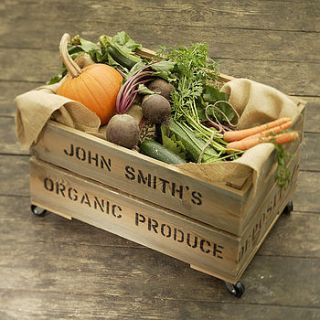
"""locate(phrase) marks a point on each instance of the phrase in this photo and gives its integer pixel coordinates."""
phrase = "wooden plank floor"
(51, 268)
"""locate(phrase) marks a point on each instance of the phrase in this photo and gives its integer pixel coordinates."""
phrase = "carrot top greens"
(193, 71)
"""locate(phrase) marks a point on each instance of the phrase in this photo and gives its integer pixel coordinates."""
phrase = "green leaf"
(194, 146)
(212, 94)
(164, 65)
(55, 79)
(88, 45)
(142, 89)
(173, 143)
(125, 41)
(80, 44)
(163, 69)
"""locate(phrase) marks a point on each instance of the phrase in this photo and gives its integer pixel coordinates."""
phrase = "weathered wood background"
(51, 268)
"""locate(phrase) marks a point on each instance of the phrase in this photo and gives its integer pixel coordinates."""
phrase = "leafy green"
(163, 69)
(127, 43)
(196, 149)
(283, 173)
(56, 78)
(99, 53)
(142, 89)
(82, 44)
(121, 49)
(173, 143)
(192, 71)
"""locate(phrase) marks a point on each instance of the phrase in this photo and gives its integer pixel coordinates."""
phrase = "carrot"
(241, 134)
(249, 143)
(272, 131)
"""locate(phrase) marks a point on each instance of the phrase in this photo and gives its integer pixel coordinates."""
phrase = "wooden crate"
(215, 227)
(204, 247)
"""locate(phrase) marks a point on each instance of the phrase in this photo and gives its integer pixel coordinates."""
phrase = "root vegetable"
(246, 144)
(136, 112)
(123, 130)
(242, 134)
(161, 87)
(156, 109)
(272, 131)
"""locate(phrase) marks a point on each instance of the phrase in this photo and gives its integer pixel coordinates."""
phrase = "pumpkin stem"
(73, 69)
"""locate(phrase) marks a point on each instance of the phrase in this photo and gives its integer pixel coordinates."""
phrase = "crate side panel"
(269, 186)
(266, 178)
(269, 211)
(168, 232)
(156, 182)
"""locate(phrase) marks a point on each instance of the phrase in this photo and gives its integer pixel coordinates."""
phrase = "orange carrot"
(272, 131)
(241, 134)
(249, 143)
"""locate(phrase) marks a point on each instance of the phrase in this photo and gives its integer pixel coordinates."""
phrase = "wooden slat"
(8, 140)
(14, 171)
(37, 66)
(234, 254)
(144, 177)
(311, 152)
(247, 14)
(9, 90)
(287, 238)
(307, 193)
(157, 228)
(109, 272)
(312, 120)
(274, 73)
(44, 276)
(222, 43)
(27, 304)
(295, 235)
(50, 228)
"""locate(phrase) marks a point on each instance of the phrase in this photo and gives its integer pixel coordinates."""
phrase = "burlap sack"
(36, 107)
(256, 103)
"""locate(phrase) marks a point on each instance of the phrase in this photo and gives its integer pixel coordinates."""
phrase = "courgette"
(192, 143)
(157, 151)
(125, 59)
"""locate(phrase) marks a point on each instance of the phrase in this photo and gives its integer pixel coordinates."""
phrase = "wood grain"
(224, 43)
(207, 15)
(144, 177)
(287, 238)
(15, 174)
(52, 268)
(8, 140)
(26, 304)
(9, 90)
(110, 272)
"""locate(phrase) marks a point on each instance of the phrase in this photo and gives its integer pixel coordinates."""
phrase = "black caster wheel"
(37, 211)
(236, 289)
(288, 208)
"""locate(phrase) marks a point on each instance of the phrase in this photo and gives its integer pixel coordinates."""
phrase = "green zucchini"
(125, 59)
(192, 143)
(157, 151)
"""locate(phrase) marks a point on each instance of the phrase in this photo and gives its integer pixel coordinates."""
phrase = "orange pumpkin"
(96, 86)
